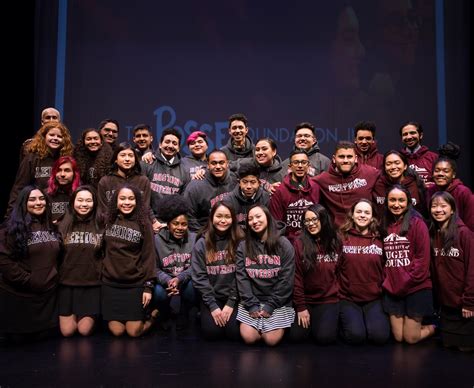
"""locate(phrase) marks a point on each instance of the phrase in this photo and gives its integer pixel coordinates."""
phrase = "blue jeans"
(323, 324)
(167, 305)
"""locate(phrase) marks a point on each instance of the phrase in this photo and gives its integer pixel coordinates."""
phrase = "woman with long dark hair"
(213, 272)
(395, 170)
(93, 155)
(408, 297)
(453, 266)
(129, 266)
(360, 275)
(316, 289)
(29, 252)
(265, 275)
(81, 264)
(125, 169)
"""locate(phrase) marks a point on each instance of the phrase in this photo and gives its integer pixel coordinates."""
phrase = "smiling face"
(237, 131)
(410, 136)
(54, 139)
(178, 227)
(441, 211)
(169, 147)
(304, 139)
(312, 223)
(264, 153)
(222, 219)
(198, 147)
(397, 202)
(36, 204)
(362, 216)
(109, 132)
(65, 174)
(299, 165)
(83, 203)
(126, 201)
(364, 140)
(92, 141)
(143, 139)
(257, 221)
(217, 165)
(394, 167)
(345, 160)
(443, 174)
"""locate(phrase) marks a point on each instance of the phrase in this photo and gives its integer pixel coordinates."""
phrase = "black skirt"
(456, 331)
(80, 301)
(22, 315)
(122, 304)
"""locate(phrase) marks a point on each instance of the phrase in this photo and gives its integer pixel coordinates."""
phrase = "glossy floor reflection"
(184, 359)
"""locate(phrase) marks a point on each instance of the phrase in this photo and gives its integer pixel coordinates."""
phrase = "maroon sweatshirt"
(37, 271)
(339, 192)
(372, 158)
(454, 270)
(129, 254)
(360, 267)
(407, 265)
(289, 202)
(463, 198)
(315, 285)
(422, 162)
(82, 256)
(384, 182)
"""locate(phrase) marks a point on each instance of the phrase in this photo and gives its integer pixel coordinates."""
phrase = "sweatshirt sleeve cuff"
(268, 309)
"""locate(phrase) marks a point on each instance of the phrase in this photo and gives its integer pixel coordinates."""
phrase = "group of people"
(347, 247)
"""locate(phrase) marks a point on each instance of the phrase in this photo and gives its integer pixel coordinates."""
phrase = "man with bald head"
(50, 114)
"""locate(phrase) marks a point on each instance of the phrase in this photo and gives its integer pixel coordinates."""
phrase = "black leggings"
(211, 331)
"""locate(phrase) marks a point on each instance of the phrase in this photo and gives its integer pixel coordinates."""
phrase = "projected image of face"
(347, 51)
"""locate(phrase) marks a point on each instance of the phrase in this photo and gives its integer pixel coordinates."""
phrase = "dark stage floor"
(183, 359)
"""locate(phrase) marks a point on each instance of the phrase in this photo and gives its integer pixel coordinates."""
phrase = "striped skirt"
(281, 318)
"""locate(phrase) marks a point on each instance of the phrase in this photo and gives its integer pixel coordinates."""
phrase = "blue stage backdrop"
(191, 64)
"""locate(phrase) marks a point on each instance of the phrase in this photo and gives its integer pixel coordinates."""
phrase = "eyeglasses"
(305, 135)
(298, 162)
(310, 221)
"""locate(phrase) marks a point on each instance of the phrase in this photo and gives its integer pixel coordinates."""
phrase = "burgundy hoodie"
(372, 158)
(317, 284)
(422, 162)
(360, 267)
(463, 198)
(454, 270)
(407, 265)
(339, 192)
(409, 182)
(288, 203)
